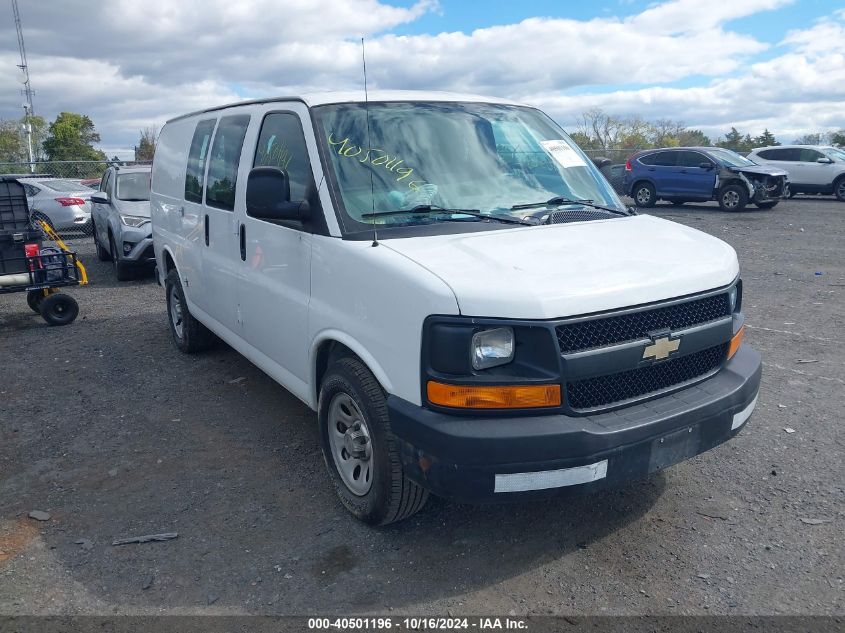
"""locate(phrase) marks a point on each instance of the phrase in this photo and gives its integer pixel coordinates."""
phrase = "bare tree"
(146, 148)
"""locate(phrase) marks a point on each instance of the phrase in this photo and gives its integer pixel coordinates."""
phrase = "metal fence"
(44, 204)
(78, 170)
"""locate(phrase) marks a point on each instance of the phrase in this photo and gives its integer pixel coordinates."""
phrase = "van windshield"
(476, 156)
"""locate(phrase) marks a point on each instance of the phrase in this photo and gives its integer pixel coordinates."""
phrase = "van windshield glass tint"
(450, 155)
(133, 186)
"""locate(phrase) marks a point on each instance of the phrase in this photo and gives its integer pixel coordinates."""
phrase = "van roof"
(357, 96)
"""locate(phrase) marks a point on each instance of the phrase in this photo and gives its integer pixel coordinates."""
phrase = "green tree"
(146, 148)
(733, 140)
(693, 138)
(766, 139)
(71, 137)
(838, 138)
(12, 149)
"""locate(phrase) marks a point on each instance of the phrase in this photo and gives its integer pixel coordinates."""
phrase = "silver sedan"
(65, 204)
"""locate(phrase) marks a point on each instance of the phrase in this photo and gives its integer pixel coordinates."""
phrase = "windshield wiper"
(559, 201)
(433, 208)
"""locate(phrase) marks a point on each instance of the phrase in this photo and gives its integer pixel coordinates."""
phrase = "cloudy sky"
(714, 64)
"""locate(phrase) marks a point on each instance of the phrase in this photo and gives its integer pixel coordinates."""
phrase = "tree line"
(598, 130)
(70, 137)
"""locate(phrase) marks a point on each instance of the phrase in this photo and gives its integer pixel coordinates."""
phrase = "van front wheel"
(359, 448)
(189, 335)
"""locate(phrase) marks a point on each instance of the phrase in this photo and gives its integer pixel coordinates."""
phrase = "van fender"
(167, 250)
(357, 348)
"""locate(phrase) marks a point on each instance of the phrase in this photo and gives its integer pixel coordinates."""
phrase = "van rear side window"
(225, 157)
(196, 160)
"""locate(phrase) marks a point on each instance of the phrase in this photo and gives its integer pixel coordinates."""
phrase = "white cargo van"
(453, 287)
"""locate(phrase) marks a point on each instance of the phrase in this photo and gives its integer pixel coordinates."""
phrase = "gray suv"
(121, 220)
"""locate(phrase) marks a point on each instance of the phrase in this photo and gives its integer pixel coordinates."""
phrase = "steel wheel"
(176, 314)
(351, 445)
(730, 199)
(840, 190)
(644, 195)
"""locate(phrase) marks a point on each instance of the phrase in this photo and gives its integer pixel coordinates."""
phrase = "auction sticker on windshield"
(563, 153)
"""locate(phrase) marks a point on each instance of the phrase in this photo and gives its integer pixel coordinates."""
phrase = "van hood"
(562, 270)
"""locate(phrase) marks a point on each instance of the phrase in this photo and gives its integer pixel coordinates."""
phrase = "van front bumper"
(491, 458)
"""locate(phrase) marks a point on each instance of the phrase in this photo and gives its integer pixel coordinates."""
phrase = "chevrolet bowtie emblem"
(661, 348)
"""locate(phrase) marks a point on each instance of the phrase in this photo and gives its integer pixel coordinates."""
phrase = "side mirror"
(706, 165)
(268, 196)
(824, 160)
(100, 197)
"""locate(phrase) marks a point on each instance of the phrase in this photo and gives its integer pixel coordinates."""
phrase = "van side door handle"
(206, 229)
(243, 243)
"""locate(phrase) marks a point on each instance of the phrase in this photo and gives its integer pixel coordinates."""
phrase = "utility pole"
(28, 109)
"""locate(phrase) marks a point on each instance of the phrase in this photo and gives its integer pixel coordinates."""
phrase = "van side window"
(196, 160)
(282, 144)
(224, 160)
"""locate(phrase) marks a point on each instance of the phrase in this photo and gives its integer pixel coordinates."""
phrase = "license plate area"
(674, 447)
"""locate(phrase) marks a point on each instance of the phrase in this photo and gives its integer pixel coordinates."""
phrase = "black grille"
(599, 332)
(605, 390)
(579, 215)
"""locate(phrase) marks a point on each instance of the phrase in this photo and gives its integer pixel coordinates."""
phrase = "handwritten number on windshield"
(375, 157)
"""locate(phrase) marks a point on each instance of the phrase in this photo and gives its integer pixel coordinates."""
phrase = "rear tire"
(352, 415)
(766, 205)
(839, 189)
(189, 335)
(34, 299)
(733, 198)
(59, 309)
(122, 271)
(645, 196)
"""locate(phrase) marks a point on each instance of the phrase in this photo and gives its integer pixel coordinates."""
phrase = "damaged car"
(700, 174)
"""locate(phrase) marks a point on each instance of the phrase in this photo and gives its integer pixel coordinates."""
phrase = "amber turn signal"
(493, 397)
(736, 341)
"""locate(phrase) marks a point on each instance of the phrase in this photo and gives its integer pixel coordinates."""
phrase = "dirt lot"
(113, 432)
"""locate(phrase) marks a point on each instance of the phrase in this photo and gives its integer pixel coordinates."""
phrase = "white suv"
(450, 283)
(811, 168)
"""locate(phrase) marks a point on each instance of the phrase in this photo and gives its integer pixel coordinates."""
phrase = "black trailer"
(34, 260)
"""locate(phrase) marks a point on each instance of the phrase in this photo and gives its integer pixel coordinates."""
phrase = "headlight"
(735, 297)
(134, 220)
(491, 348)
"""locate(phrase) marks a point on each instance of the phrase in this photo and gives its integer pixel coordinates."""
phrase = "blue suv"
(699, 174)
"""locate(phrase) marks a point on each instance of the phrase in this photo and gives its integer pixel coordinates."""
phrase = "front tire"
(733, 198)
(359, 448)
(122, 271)
(102, 254)
(645, 196)
(189, 335)
(839, 189)
(59, 309)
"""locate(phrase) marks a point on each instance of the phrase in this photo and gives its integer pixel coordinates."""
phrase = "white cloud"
(129, 64)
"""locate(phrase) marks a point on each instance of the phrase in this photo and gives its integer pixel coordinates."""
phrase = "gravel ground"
(114, 433)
